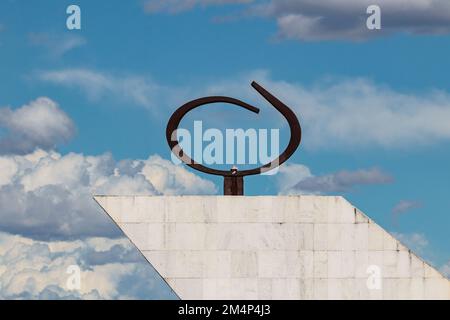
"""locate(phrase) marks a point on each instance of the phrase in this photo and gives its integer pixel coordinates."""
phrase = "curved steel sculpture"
(234, 179)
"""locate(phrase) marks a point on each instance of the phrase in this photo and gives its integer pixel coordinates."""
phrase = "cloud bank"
(357, 112)
(354, 112)
(47, 196)
(110, 269)
(346, 19)
(49, 221)
(334, 113)
(312, 20)
(46, 202)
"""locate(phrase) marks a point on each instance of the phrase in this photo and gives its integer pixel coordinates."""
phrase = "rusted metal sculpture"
(234, 179)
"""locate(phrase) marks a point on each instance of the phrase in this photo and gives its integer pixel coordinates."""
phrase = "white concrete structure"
(271, 247)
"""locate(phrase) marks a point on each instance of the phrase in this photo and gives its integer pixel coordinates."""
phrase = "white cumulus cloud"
(39, 124)
(298, 179)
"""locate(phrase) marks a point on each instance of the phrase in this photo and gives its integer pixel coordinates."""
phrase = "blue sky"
(375, 106)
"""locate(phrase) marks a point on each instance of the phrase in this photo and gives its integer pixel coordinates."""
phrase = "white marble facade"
(271, 247)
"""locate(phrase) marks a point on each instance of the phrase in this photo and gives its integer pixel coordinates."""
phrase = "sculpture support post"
(233, 186)
(234, 179)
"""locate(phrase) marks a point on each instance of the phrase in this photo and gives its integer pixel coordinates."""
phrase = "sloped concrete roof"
(271, 247)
